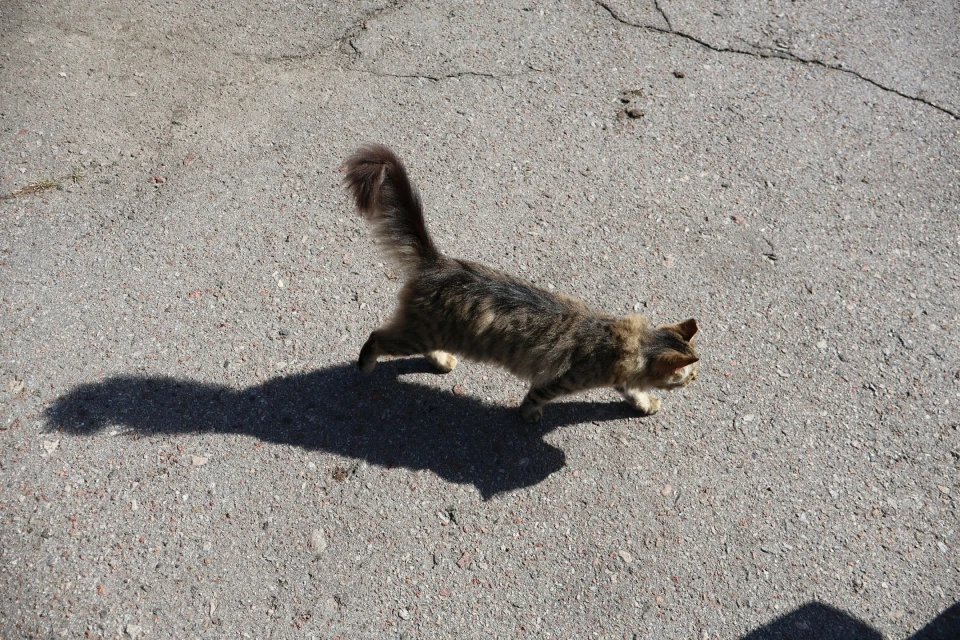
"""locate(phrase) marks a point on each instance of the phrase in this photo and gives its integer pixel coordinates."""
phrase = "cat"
(449, 308)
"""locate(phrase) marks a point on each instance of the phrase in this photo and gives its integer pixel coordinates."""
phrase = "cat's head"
(662, 357)
(671, 358)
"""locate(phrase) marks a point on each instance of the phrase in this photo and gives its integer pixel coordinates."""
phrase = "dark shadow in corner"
(946, 626)
(817, 621)
(378, 418)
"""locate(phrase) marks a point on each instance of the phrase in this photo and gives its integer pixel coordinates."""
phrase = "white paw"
(442, 361)
(645, 403)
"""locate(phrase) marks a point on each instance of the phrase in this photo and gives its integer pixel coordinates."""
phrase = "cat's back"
(469, 289)
(490, 316)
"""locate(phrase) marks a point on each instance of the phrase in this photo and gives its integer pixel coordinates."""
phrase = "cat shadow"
(379, 417)
(815, 621)
(819, 621)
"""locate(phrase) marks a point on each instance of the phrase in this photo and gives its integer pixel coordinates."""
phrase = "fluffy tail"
(378, 182)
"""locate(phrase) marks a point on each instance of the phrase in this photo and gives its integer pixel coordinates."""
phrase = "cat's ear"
(671, 361)
(688, 329)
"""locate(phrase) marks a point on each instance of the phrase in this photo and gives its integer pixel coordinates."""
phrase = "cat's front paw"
(366, 365)
(645, 403)
(531, 413)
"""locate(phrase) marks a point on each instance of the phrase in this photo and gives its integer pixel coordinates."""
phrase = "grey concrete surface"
(186, 450)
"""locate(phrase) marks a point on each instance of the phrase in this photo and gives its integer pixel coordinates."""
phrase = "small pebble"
(318, 540)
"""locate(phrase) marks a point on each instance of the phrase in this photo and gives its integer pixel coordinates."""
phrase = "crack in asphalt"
(426, 76)
(656, 3)
(440, 78)
(767, 53)
(340, 42)
(346, 40)
(354, 30)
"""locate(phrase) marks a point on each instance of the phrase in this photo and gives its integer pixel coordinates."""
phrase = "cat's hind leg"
(391, 341)
(645, 403)
(442, 361)
(368, 354)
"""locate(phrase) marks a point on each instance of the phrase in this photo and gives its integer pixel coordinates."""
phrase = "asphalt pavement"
(188, 451)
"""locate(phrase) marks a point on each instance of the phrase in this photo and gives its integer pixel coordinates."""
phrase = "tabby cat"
(450, 307)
